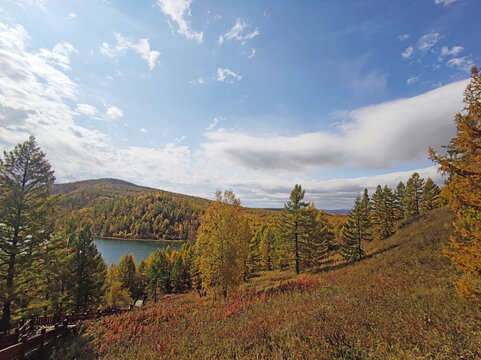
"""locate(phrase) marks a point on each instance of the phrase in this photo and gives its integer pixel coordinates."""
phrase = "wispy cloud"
(143, 130)
(404, 37)
(240, 31)
(252, 54)
(179, 11)
(180, 138)
(213, 124)
(462, 63)
(142, 47)
(71, 15)
(113, 112)
(228, 76)
(444, 2)
(412, 80)
(87, 109)
(408, 52)
(455, 50)
(427, 41)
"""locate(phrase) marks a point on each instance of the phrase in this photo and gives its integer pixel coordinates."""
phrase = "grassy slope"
(397, 304)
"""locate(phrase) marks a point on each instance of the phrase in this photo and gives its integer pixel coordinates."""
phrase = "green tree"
(26, 213)
(366, 207)
(383, 213)
(179, 276)
(158, 276)
(430, 196)
(118, 296)
(128, 276)
(87, 271)
(400, 201)
(412, 195)
(292, 222)
(355, 233)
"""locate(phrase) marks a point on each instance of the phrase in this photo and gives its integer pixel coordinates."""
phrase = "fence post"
(32, 322)
(43, 337)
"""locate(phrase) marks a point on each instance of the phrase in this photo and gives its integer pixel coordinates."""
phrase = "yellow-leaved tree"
(462, 164)
(221, 243)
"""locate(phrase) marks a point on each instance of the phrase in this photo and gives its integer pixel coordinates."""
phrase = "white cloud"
(412, 80)
(86, 109)
(427, 41)
(462, 63)
(28, 3)
(142, 47)
(180, 138)
(213, 124)
(240, 31)
(444, 2)
(408, 52)
(179, 10)
(404, 37)
(226, 75)
(455, 50)
(372, 137)
(113, 112)
(71, 15)
(252, 54)
(142, 130)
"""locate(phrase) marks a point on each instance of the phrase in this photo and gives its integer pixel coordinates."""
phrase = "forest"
(49, 263)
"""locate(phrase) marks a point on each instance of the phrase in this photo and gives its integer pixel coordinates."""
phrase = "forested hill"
(80, 194)
(117, 208)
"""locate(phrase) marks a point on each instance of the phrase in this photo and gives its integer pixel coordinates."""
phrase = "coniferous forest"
(397, 277)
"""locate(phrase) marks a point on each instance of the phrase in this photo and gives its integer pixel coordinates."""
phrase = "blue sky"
(256, 96)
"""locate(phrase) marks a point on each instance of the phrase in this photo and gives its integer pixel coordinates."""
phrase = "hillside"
(80, 194)
(396, 304)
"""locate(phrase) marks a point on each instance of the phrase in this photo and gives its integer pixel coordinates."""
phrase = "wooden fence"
(23, 343)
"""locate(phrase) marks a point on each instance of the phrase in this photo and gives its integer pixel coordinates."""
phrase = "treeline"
(375, 217)
(145, 216)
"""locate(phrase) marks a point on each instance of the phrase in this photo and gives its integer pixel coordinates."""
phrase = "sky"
(255, 96)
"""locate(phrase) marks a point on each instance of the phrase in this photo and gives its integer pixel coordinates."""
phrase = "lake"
(113, 249)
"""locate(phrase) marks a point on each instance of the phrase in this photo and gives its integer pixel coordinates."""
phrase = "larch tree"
(88, 271)
(412, 195)
(292, 222)
(128, 275)
(383, 213)
(400, 201)
(220, 243)
(430, 196)
(462, 165)
(355, 233)
(26, 216)
(266, 247)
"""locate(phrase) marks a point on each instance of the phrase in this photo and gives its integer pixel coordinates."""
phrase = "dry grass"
(397, 304)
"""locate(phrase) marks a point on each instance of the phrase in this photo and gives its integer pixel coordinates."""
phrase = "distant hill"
(80, 194)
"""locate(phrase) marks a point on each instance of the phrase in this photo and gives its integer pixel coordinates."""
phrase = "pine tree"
(383, 213)
(158, 275)
(26, 216)
(355, 232)
(462, 164)
(430, 196)
(87, 271)
(292, 218)
(128, 275)
(179, 276)
(413, 193)
(400, 201)
(366, 208)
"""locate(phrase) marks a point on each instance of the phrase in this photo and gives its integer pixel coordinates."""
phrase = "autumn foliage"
(462, 164)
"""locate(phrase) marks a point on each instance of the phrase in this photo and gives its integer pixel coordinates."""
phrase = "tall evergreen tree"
(88, 271)
(128, 275)
(366, 207)
(412, 195)
(292, 222)
(383, 214)
(462, 165)
(400, 201)
(158, 275)
(355, 233)
(430, 196)
(26, 215)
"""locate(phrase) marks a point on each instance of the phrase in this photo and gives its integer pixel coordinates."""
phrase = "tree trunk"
(297, 249)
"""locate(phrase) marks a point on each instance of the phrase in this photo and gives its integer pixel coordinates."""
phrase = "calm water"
(112, 250)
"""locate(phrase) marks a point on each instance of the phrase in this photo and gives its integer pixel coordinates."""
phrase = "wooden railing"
(21, 344)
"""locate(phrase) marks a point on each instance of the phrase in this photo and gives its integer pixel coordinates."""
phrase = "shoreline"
(130, 239)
